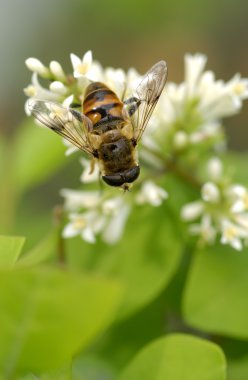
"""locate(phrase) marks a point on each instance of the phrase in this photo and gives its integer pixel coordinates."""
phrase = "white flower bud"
(180, 140)
(210, 192)
(57, 71)
(37, 66)
(192, 210)
(215, 168)
(58, 88)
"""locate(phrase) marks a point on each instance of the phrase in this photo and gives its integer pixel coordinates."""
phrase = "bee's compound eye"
(132, 174)
(113, 180)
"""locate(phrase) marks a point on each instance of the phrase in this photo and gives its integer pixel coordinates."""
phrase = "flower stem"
(60, 249)
(171, 165)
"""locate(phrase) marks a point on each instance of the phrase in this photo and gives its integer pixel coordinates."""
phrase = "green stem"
(58, 218)
(171, 165)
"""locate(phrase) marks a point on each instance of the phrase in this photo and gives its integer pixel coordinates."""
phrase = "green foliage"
(38, 155)
(42, 308)
(177, 357)
(145, 267)
(10, 249)
(215, 298)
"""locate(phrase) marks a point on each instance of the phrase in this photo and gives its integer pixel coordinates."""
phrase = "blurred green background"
(120, 34)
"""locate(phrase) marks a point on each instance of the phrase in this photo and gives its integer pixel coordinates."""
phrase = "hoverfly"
(108, 129)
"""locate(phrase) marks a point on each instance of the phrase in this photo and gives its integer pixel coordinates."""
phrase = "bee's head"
(123, 178)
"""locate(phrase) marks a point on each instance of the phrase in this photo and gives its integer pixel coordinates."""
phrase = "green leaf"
(144, 260)
(10, 249)
(38, 154)
(177, 357)
(215, 298)
(48, 315)
(41, 252)
(238, 369)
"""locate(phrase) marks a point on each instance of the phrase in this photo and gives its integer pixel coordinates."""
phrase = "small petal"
(75, 60)
(113, 231)
(69, 231)
(88, 235)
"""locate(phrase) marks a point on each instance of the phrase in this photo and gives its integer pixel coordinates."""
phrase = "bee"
(108, 129)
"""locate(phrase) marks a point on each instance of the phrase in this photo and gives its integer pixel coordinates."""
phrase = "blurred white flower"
(180, 140)
(86, 225)
(192, 210)
(88, 175)
(97, 216)
(239, 195)
(70, 147)
(151, 193)
(214, 168)
(76, 199)
(232, 234)
(210, 192)
(205, 229)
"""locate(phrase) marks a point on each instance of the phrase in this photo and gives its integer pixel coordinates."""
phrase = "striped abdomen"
(102, 106)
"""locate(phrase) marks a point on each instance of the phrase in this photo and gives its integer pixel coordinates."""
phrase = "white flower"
(214, 168)
(36, 91)
(37, 66)
(88, 175)
(151, 193)
(194, 65)
(210, 192)
(114, 228)
(239, 195)
(87, 225)
(116, 80)
(57, 71)
(205, 229)
(105, 217)
(58, 88)
(180, 140)
(81, 67)
(75, 199)
(70, 147)
(238, 87)
(192, 210)
(232, 234)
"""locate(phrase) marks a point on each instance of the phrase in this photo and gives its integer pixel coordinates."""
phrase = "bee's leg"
(100, 181)
(76, 105)
(92, 165)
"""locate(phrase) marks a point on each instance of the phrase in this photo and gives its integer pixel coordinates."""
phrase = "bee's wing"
(141, 105)
(67, 122)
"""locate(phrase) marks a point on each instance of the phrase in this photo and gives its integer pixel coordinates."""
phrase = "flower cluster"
(222, 209)
(185, 126)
